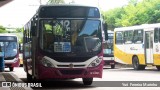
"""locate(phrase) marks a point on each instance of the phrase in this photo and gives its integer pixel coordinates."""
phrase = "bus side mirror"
(33, 30)
(105, 26)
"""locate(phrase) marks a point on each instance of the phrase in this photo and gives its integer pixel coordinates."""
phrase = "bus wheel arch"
(136, 64)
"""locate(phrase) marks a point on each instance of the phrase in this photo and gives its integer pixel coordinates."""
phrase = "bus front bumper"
(12, 63)
(62, 73)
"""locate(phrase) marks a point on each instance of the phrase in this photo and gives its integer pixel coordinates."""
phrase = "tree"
(112, 16)
(56, 2)
(135, 13)
(18, 30)
(19, 33)
(2, 29)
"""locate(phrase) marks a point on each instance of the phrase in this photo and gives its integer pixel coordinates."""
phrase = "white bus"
(108, 56)
(138, 45)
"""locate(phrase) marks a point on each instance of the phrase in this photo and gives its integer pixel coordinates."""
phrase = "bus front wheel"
(136, 65)
(11, 68)
(29, 77)
(113, 66)
(87, 81)
(158, 68)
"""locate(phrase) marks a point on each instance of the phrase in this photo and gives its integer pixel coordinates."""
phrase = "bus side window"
(159, 34)
(138, 36)
(119, 37)
(128, 36)
(156, 35)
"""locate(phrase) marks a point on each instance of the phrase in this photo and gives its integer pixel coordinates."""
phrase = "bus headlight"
(96, 62)
(46, 63)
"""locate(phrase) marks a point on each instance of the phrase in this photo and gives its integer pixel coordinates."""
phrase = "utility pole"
(98, 3)
(40, 2)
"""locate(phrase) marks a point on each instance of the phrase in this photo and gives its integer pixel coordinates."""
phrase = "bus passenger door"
(149, 47)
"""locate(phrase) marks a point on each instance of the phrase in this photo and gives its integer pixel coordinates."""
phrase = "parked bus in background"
(21, 54)
(108, 56)
(64, 41)
(9, 45)
(138, 45)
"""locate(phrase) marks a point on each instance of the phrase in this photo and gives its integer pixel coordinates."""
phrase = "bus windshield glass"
(71, 36)
(8, 45)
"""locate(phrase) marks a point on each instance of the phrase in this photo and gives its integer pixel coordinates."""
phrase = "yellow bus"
(138, 45)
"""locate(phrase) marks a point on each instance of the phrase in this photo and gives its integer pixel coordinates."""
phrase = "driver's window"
(57, 28)
(48, 26)
(47, 33)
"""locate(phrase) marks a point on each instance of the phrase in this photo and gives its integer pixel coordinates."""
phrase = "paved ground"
(8, 81)
(121, 73)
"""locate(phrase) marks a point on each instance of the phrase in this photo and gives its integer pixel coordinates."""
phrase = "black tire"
(29, 77)
(11, 68)
(112, 66)
(21, 65)
(136, 65)
(87, 81)
(158, 68)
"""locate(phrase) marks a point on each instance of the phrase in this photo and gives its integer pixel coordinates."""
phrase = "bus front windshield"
(71, 36)
(9, 48)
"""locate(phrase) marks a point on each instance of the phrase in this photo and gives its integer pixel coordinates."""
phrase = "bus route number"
(66, 24)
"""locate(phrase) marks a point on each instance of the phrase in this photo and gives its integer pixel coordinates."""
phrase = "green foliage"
(55, 1)
(57, 30)
(112, 16)
(2, 29)
(20, 36)
(48, 27)
(135, 13)
(18, 30)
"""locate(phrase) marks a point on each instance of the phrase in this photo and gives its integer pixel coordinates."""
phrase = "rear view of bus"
(9, 45)
(66, 43)
(108, 50)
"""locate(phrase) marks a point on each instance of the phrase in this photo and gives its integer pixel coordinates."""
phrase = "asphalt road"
(121, 78)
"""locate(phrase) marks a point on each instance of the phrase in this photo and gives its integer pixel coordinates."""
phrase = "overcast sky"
(18, 12)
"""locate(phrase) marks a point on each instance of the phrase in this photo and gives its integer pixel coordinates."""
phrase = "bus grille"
(71, 72)
(71, 59)
(67, 66)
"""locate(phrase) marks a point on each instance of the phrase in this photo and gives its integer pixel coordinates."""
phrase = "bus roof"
(68, 5)
(110, 31)
(143, 26)
(78, 5)
(68, 11)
